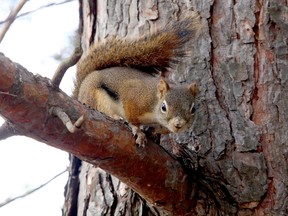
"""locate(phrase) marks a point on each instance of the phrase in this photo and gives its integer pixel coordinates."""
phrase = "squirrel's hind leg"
(141, 139)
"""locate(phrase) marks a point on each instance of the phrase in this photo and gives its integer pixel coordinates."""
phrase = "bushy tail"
(151, 53)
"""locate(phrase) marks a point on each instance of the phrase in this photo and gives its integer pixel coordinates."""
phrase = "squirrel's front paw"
(141, 139)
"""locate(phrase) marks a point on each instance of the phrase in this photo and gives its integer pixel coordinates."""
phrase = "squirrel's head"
(176, 105)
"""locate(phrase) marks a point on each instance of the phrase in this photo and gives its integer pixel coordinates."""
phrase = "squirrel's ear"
(162, 87)
(193, 87)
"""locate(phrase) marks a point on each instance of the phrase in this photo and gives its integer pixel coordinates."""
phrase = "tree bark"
(26, 102)
(233, 160)
(236, 149)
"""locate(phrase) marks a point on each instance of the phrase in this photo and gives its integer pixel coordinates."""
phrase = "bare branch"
(101, 141)
(73, 59)
(32, 11)
(7, 130)
(67, 63)
(66, 120)
(11, 19)
(9, 200)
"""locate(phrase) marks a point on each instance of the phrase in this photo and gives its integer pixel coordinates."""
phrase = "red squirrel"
(116, 78)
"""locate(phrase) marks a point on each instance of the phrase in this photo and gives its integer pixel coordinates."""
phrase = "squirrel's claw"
(141, 139)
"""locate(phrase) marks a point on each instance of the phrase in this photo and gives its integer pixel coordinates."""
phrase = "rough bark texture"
(233, 161)
(26, 101)
(236, 150)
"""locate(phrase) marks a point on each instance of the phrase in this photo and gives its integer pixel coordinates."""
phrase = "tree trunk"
(232, 161)
(236, 151)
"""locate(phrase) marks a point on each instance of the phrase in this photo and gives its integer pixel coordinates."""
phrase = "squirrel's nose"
(178, 125)
(178, 122)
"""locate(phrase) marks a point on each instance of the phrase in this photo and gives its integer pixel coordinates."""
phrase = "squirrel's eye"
(192, 109)
(164, 107)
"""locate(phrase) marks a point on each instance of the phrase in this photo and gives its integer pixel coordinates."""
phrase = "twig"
(32, 11)
(67, 63)
(57, 111)
(9, 200)
(11, 18)
(74, 58)
(7, 130)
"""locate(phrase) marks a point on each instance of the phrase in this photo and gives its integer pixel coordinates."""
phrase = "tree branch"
(32, 11)
(11, 19)
(150, 171)
(7, 130)
(73, 59)
(69, 62)
(9, 200)
(57, 111)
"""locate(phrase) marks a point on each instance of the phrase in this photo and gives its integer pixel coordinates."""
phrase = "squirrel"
(117, 78)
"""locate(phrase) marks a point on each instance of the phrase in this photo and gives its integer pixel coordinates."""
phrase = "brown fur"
(151, 53)
(111, 78)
